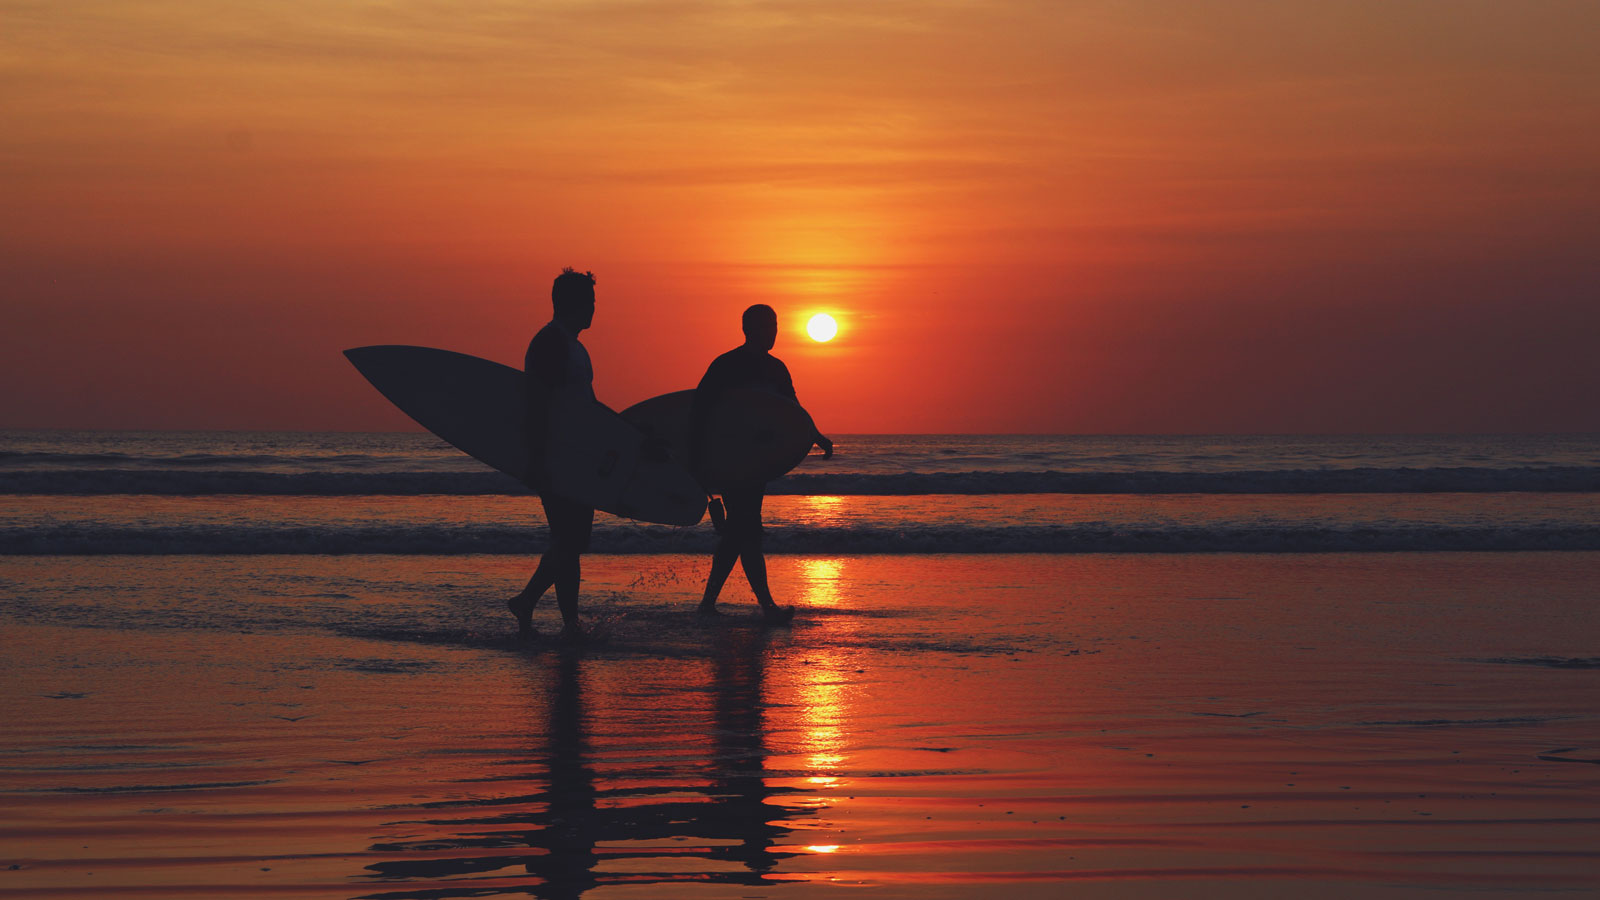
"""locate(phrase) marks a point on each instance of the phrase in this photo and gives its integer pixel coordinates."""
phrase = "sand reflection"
(603, 809)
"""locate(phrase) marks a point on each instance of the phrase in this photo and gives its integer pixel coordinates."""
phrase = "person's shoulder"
(549, 335)
(723, 373)
(724, 360)
(547, 351)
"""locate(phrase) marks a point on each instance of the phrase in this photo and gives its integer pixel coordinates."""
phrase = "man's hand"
(826, 445)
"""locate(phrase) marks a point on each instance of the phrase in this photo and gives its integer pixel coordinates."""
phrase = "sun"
(822, 327)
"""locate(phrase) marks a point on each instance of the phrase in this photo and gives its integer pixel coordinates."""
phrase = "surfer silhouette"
(749, 365)
(557, 364)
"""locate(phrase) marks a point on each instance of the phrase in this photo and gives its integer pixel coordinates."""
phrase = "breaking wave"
(615, 536)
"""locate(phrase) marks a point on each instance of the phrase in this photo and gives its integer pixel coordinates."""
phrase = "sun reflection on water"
(820, 512)
(822, 578)
(822, 706)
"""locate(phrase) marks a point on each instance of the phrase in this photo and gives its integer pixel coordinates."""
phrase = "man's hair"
(758, 315)
(571, 287)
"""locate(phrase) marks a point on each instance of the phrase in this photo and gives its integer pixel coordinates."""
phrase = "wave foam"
(622, 538)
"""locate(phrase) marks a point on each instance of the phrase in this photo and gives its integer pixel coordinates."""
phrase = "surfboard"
(753, 436)
(477, 406)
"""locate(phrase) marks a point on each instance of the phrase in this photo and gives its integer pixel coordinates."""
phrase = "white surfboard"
(477, 406)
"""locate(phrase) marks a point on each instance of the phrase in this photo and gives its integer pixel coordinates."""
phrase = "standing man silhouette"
(749, 365)
(557, 366)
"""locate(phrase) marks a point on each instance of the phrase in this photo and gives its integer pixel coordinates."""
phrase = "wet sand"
(932, 726)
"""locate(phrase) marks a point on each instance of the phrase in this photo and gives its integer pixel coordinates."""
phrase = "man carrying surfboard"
(748, 366)
(557, 367)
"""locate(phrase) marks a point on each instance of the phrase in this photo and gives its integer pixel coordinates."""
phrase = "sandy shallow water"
(932, 726)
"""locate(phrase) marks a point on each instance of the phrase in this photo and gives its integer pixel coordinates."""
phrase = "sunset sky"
(1275, 216)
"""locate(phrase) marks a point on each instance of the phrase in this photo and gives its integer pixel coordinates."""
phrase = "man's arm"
(821, 440)
(817, 437)
(711, 386)
(545, 365)
(786, 382)
(779, 375)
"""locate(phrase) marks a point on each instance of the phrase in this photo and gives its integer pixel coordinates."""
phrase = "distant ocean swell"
(1460, 479)
(626, 538)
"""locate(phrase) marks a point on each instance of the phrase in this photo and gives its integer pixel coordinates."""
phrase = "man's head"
(760, 326)
(572, 295)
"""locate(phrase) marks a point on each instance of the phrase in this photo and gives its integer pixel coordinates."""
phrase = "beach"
(1170, 429)
(933, 725)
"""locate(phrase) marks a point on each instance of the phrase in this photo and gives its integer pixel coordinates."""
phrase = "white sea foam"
(80, 493)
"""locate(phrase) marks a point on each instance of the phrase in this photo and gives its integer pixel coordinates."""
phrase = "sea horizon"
(965, 434)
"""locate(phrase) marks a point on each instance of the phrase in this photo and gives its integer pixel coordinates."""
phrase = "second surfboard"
(752, 437)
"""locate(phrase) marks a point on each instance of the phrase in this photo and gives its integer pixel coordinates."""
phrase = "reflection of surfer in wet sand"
(556, 364)
(749, 365)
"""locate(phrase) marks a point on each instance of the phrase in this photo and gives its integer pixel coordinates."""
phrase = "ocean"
(279, 493)
(281, 666)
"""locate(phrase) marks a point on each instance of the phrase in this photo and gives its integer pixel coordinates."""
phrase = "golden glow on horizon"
(822, 328)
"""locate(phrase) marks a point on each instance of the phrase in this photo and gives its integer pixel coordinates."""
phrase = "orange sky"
(1027, 216)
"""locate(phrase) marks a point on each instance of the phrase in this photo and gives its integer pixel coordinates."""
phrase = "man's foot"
(708, 609)
(777, 615)
(522, 608)
(572, 635)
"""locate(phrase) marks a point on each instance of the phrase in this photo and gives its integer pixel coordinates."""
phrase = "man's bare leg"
(722, 561)
(566, 582)
(755, 571)
(523, 603)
